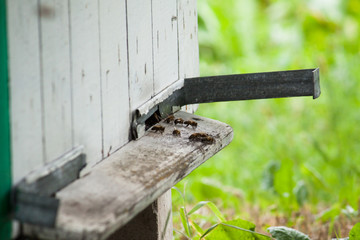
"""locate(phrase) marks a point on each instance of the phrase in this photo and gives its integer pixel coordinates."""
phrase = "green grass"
(285, 152)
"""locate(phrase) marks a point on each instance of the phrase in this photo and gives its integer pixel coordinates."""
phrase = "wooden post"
(153, 223)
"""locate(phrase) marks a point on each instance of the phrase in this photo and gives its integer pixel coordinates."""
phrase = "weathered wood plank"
(165, 45)
(188, 39)
(140, 52)
(116, 189)
(155, 222)
(164, 216)
(86, 84)
(114, 75)
(25, 87)
(188, 43)
(55, 60)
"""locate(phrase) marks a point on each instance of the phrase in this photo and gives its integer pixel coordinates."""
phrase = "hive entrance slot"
(152, 120)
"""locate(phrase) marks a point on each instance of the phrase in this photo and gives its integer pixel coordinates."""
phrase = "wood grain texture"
(188, 43)
(165, 43)
(25, 87)
(116, 189)
(164, 216)
(188, 39)
(85, 59)
(114, 75)
(140, 51)
(55, 55)
(155, 222)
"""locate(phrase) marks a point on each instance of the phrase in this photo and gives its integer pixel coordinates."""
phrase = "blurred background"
(294, 161)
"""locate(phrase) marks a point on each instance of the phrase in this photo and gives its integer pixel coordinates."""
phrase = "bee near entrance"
(152, 120)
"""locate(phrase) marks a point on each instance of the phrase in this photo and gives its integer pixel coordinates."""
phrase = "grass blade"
(166, 224)
(209, 230)
(198, 206)
(198, 229)
(181, 233)
(180, 193)
(246, 230)
(185, 221)
(216, 211)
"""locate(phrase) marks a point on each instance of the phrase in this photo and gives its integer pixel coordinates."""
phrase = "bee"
(208, 140)
(197, 136)
(178, 121)
(176, 133)
(157, 117)
(158, 128)
(202, 137)
(191, 123)
(169, 119)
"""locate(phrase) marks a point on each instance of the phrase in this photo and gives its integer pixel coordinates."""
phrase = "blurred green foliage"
(285, 152)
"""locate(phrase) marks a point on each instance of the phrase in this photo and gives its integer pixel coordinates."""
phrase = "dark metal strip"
(252, 86)
(176, 99)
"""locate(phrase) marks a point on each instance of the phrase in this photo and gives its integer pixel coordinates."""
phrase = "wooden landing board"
(128, 181)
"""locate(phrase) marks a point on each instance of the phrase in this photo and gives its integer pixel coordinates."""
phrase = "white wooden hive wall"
(78, 69)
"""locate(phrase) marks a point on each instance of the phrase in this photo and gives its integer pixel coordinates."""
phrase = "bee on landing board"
(158, 128)
(197, 136)
(208, 140)
(178, 121)
(201, 137)
(191, 123)
(169, 119)
(176, 133)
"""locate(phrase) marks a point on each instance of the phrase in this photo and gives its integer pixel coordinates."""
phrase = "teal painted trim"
(5, 160)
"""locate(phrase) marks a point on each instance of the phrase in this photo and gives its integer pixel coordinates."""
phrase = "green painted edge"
(5, 158)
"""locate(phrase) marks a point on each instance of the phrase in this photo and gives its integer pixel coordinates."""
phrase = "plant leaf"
(181, 233)
(185, 221)
(269, 174)
(355, 232)
(235, 229)
(257, 235)
(198, 229)
(330, 214)
(241, 223)
(213, 208)
(198, 206)
(216, 211)
(315, 176)
(301, 193)
(180, 193)
(283, 179)
(209, 230)
(285, 233)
